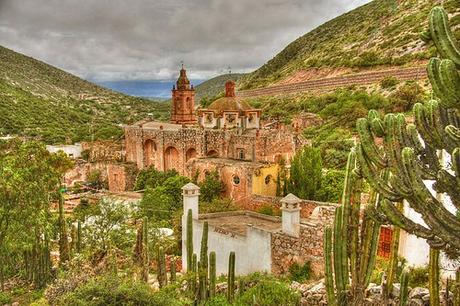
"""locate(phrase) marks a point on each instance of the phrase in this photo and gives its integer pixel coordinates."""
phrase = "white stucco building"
(261, 243)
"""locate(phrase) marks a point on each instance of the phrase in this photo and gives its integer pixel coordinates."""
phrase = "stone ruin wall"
(287, 250)
(307, 206)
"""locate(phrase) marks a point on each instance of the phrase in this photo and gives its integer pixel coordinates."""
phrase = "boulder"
(418, 293)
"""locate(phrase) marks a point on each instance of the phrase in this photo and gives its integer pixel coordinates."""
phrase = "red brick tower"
(183, 101)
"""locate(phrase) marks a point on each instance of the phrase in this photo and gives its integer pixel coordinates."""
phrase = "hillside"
(380, 33)
(41, 101)
(215, 86)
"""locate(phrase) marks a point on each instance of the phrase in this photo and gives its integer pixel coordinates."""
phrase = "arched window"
(241, 154)
(236, 180)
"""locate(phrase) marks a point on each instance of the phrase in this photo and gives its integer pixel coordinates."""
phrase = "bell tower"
(183, 100)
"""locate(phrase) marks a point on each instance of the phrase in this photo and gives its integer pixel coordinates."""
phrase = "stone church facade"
(227, 136)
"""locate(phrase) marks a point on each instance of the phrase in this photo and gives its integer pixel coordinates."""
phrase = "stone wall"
(307, 206)
(287, 250)
(103, 151)
(148, 146)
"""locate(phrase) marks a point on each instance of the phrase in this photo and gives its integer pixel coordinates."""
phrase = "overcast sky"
(147, 39)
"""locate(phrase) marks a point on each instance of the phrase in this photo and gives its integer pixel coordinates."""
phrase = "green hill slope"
(41, 101)
(215, 86)
(382, 32)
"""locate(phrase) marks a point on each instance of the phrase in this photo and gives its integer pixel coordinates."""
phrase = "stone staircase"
(326, 84)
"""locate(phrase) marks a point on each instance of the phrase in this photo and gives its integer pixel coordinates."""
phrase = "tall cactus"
(145, 255)
(161, 273)
(189, 239)
(231, 277)
(456, 291)
(404, 288)
(414, 153)
(433, 278)
(203, 270)
(193, 274)
(212, 274)
(172, 270)
(79, 237)
(64, 250)
(353, 253)
(393, 267)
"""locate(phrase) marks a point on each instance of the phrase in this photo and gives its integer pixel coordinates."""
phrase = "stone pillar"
(290, 207)
(191, 193)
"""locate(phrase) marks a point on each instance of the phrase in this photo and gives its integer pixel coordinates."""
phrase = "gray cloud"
(147, 39)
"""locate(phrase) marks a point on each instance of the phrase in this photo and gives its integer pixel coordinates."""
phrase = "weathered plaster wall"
(252, 252)
(264, 180)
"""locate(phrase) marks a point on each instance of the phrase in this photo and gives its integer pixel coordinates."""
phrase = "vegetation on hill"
(46, 103)
(215, 86)
(339, 110)
(382, 32)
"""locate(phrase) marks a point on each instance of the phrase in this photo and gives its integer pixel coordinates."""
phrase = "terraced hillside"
(331, 83)
(380, 33)
(41, 101)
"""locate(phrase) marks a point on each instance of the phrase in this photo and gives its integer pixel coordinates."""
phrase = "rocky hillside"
(41, 101)
(380, 33)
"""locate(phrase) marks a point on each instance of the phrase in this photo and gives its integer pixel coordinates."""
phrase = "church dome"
(230, 102)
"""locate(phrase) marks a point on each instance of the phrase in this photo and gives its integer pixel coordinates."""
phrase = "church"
(228, 136)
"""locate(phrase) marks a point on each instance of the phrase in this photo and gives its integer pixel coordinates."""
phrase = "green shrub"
(218, 300)
(300, 273)
(5, 298)
(112, 290)
(405, 97)
(211, 187)
(266, 210)
(418, 276)
(331, 186)
(269, 293)
(389, 82)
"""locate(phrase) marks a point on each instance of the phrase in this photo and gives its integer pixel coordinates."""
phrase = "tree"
(108, 227)
(29, 178)
(161, 202)
(306, 173)
(211, 187)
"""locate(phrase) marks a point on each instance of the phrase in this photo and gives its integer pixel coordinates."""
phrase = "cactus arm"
(189, 237)
(434, 277)
(368, 145)
(453, 133)
(433, 210)
(231, 277)
(212, 274)
(372, 176)
(338, 251)
(404, 288)
(372, 251)
(394, 252)
(329, 280)
(398, 219)
(172, 270)
(442, 35)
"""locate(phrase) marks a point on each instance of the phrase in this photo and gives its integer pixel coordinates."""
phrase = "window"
(268, 179)
(236, 180)
(240, 154)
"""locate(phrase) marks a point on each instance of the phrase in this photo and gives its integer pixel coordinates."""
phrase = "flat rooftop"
(237, 221)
